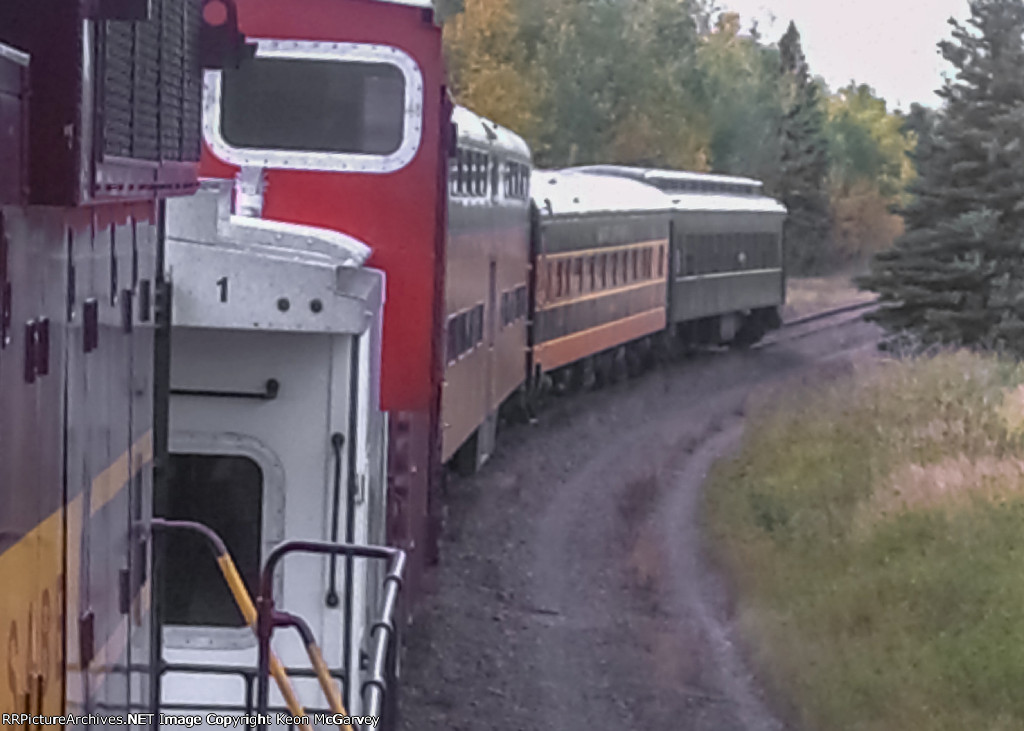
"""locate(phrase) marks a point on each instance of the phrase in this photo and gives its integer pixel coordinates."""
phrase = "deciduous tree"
(489, 70)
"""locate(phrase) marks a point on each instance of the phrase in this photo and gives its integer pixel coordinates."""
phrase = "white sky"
(887, 44)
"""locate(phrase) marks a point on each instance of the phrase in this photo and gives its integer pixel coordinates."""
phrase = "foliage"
(956, 276)
(804, 162)
(488, 68)
(741, 80)
(867, 143)
(678, 84)
(870, 169)
(659, 120)
(872, 526)
(862, 224)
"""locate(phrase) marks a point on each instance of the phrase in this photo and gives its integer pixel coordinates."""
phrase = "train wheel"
(516, 409)
(600, 372)
(618, 368)
(577, 376)
(464, 461)
(634, 363)
(661, 348)
(562, 379)
(749, 333)
(685, 340)
(588, 373)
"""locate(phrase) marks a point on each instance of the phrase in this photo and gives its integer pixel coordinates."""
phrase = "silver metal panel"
(567, 193)
(237, 273)
(716, 294)
(489, 135)
(668, 179)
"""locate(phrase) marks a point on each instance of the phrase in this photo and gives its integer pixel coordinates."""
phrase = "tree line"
(678, 84)
(957, 275)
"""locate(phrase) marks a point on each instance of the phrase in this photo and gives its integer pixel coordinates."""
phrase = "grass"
(874, 528)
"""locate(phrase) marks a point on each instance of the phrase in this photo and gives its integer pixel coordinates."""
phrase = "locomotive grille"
(152, 84)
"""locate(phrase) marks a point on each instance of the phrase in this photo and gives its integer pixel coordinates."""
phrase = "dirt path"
(573, 591)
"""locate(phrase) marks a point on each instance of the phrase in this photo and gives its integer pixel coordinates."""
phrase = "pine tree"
(804, 163)
(957, 275)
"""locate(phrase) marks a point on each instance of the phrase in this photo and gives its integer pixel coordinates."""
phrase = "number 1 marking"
(223, 284)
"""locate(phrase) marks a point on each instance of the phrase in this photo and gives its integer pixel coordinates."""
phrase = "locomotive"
(131, 438)
(89, 151)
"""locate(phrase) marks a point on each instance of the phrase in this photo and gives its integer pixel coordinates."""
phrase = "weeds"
(875, 528)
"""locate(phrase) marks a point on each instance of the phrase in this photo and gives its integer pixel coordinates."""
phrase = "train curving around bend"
(261, 285)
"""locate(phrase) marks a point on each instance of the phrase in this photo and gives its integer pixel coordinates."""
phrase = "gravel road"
(574, 592)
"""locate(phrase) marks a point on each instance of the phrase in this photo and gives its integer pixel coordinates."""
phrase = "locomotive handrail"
(246, 673)
(316, 659)
(242, 599)
(382, 632)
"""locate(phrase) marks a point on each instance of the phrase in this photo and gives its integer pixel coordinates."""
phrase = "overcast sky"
(888, 44)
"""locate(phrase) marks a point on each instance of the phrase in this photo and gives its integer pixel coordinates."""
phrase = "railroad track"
(786, 332)
(825, 314)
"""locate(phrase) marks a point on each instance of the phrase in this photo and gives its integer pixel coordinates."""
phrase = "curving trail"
(574, 591)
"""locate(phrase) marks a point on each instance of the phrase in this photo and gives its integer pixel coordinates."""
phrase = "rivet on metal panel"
(30, 351)
(42, 346)
(283, 304)
(90, 325)
(126, 310)
(316, 306)
(145, 298)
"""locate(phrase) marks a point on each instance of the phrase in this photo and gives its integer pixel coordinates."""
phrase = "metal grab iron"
(263, 618)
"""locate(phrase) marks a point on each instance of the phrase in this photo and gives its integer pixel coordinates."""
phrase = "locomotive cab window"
(224, 492)
(298, 104)
(317, 106)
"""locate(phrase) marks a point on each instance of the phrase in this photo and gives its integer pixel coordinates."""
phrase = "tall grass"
(875, 531)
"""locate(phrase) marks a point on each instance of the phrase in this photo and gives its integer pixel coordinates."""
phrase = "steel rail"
(825, 314)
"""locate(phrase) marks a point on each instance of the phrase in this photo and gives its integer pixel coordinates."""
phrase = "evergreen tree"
(957, 275)
(804, 152)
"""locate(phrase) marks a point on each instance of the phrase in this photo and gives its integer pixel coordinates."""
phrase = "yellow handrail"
(245, 604)
(248, 609)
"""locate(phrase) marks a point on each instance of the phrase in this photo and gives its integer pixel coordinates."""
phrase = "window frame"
(353, 162)
(193, 637)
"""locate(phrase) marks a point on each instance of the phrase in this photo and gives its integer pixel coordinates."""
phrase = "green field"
(874, 529)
